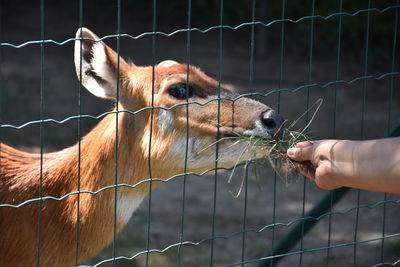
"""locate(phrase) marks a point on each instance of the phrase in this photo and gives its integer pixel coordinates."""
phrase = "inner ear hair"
(98, 63)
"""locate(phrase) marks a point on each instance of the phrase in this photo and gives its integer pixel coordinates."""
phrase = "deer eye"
(180, 91)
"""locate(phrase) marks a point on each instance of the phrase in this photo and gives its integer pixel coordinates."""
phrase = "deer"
(158, 135)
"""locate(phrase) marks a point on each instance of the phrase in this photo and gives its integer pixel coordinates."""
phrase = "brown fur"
(19, 181)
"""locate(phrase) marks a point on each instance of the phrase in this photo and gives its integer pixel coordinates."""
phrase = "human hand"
(371, 165)
(323, 169)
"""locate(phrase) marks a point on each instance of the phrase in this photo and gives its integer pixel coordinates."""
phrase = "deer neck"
(105, 156)
(109, 155)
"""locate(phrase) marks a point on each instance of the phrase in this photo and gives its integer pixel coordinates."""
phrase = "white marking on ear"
(167, 63)
(90, 56)
(165, 121)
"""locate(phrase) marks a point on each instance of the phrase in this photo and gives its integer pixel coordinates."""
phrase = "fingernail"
(304, 144)
(292, 151)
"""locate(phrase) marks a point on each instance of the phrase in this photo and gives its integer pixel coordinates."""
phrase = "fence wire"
(216, 27)
(242, 258)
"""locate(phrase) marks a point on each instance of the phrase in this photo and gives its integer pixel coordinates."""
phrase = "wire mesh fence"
(284, 54)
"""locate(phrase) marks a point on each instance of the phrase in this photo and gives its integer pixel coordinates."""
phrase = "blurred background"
(288, 47)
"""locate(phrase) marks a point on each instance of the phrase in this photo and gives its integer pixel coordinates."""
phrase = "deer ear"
(96, 64)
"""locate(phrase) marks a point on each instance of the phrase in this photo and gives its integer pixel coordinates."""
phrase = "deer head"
(174, 125)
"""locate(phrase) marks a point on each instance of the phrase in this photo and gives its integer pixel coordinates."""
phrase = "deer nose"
(272, 121)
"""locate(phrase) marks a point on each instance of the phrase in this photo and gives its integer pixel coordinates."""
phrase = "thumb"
(302, 152)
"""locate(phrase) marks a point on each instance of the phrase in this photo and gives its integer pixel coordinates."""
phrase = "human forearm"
(376, 165)
(371, 165)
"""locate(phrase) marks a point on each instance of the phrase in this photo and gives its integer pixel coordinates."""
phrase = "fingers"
(304, 144)
(307, 169)
(302, 152)
(317, 160)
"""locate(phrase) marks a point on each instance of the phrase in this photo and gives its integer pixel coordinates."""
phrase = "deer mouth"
(256, 133)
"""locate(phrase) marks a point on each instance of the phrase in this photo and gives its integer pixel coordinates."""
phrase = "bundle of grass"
(285, 167)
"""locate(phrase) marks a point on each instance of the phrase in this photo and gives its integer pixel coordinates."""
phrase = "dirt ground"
(362, 109)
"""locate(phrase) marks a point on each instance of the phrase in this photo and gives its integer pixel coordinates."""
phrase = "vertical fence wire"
(41, 133)
(79, 124)
(218, 135)
(356, 224)
(334, 122)
(393, 64)
(220, 72)
(185, 167)
(251, 90)
(384, 210)
(251, 74)
(389, 118)
(362, 125)
(244, 222)
(280, 85)
(310, 69)
(153, 58)
(214, 211)
(116, 173)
